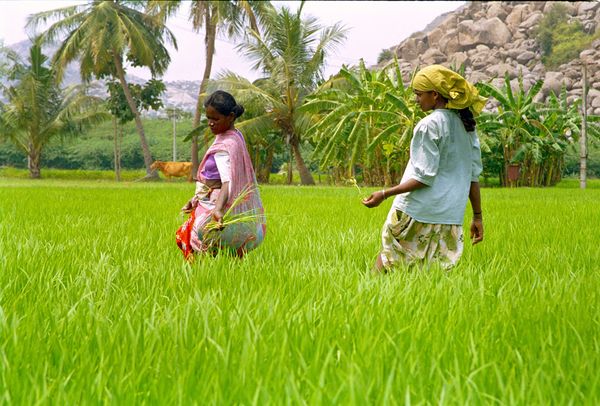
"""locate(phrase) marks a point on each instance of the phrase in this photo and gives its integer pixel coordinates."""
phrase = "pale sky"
(372, 27)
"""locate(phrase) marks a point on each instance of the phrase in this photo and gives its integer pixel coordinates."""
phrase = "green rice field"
(98, 306)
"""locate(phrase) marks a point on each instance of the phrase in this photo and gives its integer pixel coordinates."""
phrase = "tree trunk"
(290, 168)
(209, 43)
(507, 153)
(305, 175)
(150, 173)
(265, 171)
(583, 153)
(174, 138)
(34, 156)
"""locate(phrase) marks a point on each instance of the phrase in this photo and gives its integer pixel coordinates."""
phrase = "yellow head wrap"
(460, 93)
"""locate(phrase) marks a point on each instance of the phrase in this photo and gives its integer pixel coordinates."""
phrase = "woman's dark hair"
(224, 103)
(465, 115)
(467, 118)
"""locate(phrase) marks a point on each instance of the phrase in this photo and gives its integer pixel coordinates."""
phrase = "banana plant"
(516, 123)
(533, 135)
(363, 119)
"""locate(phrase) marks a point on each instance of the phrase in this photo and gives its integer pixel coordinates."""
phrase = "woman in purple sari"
(226, 183)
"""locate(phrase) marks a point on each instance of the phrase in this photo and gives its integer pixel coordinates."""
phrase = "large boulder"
(553, 81)
(449, 42)
(518, 14)
(588, 55)
(458, 58)
(499, 70)
(525, 57)
(593, 94)
(538, 69)
(433, 56)
(477, 76)
(408, 50)
(531, 21)
(587, 6)
(487, 32)
(449, 23)
(496, 9)
(467, 31)
(492, 31)
(433, 38)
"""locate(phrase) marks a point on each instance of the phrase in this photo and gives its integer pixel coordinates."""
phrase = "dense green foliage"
(39, 110)
(531, 135)
(94, 149)
(228, 17)
(561, 39)
(569, 40)
(355, 125)
(291, 54)
(385, 55)
(362, 121)
(146, 97)
(97, 305)
(101, 36)
(572, 161)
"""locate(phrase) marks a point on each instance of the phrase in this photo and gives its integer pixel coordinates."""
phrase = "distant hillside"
(180, 94)
(491, 38)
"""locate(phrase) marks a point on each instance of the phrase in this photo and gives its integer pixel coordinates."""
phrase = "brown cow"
(174, 169)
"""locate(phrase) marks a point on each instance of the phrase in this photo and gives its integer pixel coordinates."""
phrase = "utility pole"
(117, 150)
(583, 139)
(173, 114)
(175, 137)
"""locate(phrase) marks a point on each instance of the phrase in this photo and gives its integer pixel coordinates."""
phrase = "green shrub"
(593, 162)
(385, 55)
(569, 40)
(560, 39)
(546, 28)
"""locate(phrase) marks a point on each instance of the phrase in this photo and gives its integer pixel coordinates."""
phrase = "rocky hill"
(491, 38)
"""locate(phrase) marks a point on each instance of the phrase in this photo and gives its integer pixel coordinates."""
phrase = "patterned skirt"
(407, 241)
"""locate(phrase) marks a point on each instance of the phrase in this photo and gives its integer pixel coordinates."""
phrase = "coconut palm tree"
(291, 54)
(230, 17)
(101, 35)
(38, 110)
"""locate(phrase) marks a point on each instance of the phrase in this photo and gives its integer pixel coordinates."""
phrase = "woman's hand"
(217, 216)
(374, 199)
(189, 206)
(476, 231)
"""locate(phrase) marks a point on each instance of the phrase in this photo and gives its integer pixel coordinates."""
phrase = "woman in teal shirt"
(425, 221)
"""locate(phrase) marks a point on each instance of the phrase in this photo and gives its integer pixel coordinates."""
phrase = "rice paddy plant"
(97, 305)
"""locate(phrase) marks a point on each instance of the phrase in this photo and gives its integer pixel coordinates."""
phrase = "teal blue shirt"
(446, 158)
